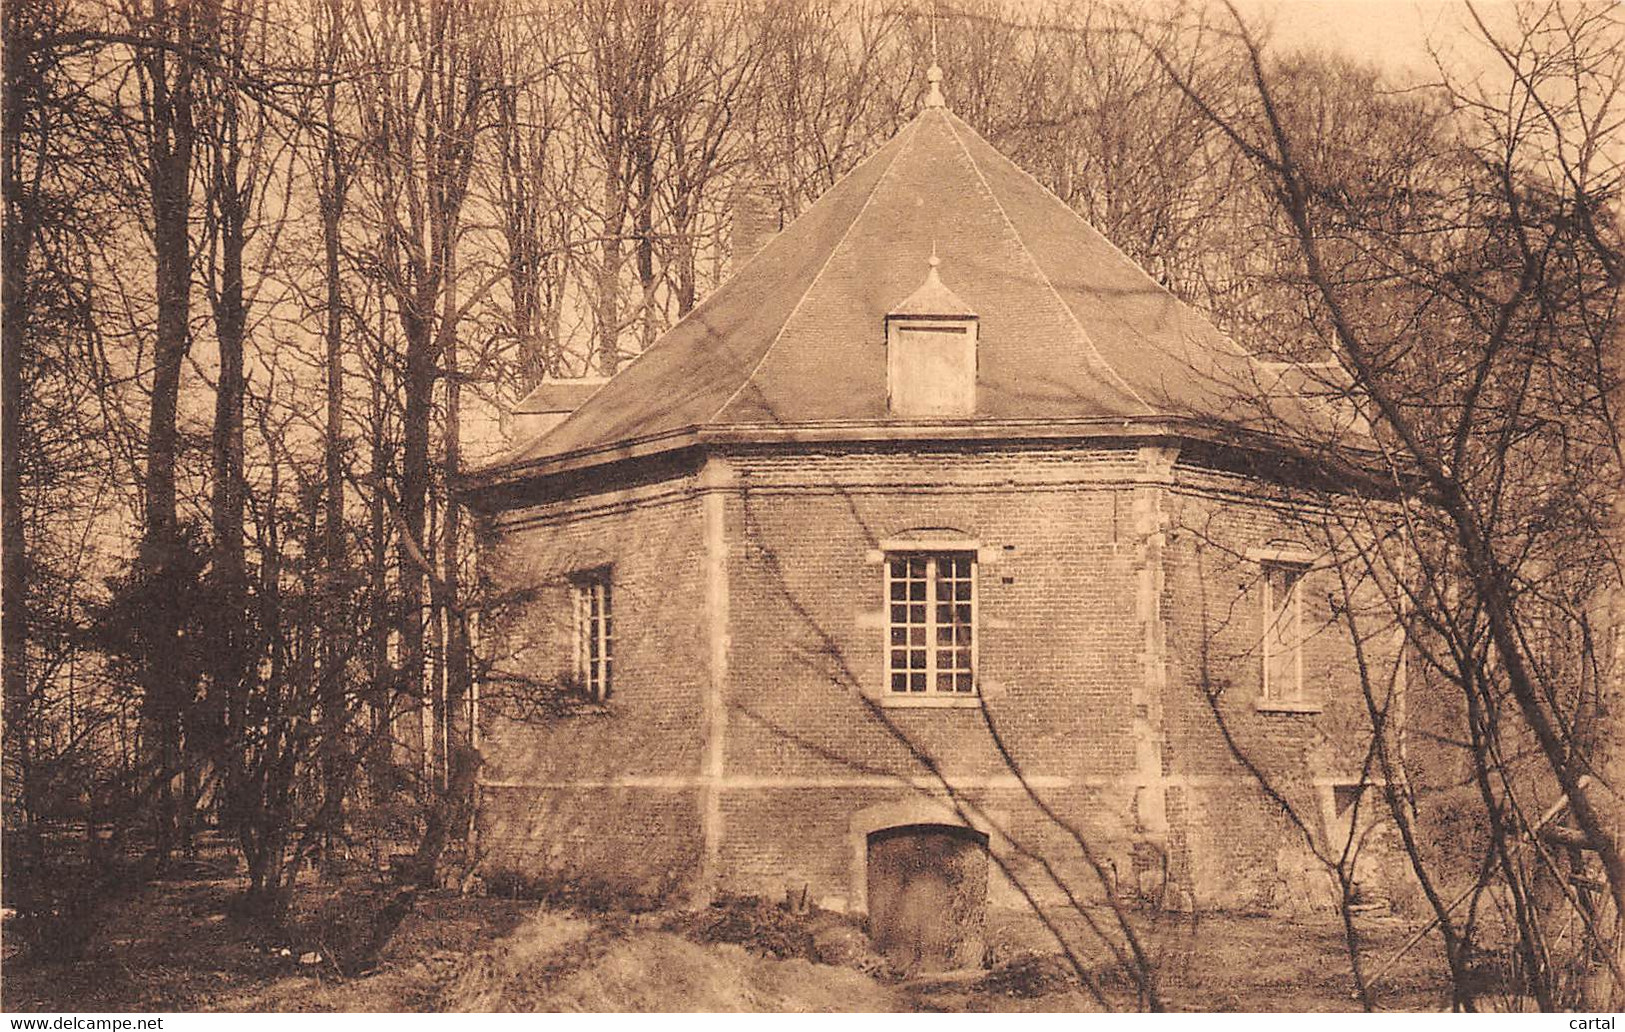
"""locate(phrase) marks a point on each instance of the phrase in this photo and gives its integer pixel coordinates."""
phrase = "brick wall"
(1115, 601)
(1057, 640)
(538, 737)
(780, 840)
(1219, 742)
(1066, 540)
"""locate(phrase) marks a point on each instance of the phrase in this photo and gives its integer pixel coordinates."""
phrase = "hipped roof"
(1070, 328)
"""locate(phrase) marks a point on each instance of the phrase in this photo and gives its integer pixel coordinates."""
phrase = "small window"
(595, 634)
(931, 600)
(1283, 630)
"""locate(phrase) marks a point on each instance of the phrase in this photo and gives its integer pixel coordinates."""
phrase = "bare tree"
(1464, 298)
(831, 90)
(167, 67)
(422, 106)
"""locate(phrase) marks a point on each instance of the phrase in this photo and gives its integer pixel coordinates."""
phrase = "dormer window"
(931, 352)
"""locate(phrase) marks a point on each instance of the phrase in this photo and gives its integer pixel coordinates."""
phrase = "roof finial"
(933, 75)
(933, 298)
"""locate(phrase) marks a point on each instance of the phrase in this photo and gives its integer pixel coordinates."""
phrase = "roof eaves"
(511, 472)
(1152, 427)
(938, 313)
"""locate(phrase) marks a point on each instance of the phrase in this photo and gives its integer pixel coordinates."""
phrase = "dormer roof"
(932, 299)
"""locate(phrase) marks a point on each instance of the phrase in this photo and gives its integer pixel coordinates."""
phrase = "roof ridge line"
(1121, 254)
(913, 130)
(1021, 244)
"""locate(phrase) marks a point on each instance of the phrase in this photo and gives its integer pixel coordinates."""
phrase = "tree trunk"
(1602, 991)
(414, 494)
(335, 593)
(227, 713)
(609, 287)
(456, 791)
(381, 674)
(644, 171)
(19, 235)
(170, 80)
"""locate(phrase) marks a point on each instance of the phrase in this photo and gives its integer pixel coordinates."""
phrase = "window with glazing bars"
(932, 622)
(594, 633)
(1283, 630)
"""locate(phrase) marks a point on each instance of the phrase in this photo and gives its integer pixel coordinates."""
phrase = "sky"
(1393, 33)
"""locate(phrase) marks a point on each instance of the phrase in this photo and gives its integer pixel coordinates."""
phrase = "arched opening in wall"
(927, 891)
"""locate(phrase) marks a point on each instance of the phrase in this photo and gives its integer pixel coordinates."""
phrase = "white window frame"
(1272, 695)
(933, 553)
(594, 626)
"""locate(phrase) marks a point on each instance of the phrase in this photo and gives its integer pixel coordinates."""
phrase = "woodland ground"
(178, 944)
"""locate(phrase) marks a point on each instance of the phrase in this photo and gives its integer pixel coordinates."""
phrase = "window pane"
(594, 626)
(931, 604)
(1282, 638)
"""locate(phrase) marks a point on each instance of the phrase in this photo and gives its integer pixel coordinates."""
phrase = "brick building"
(939, 530)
